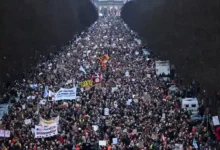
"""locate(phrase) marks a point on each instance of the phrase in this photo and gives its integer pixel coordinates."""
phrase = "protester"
(118, 107)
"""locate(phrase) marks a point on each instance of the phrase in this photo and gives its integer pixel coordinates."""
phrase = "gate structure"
(104, 6)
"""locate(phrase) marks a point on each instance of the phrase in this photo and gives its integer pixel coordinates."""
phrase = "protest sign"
(45, 131)
(127, 74)
(95, 127)
(102, 143)
(129, 102)
(33, 86)
(23, 106)
(66, 94)
(114, 89)
(215, 120)
(106, 111)
(69, 82)
(149, 75)
(42, 102)
(5, 133)
(115, 141)
(27, 121)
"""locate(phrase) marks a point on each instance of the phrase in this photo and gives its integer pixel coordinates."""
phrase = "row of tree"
(29, 27)
(184, 31)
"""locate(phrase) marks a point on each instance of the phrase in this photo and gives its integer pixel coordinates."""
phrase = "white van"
(191, 104)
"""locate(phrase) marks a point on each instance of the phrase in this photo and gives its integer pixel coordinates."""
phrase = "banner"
(86, 84)
(65, 94)
(45, 131)
(5, 133)
(44, 122)
(43, 102)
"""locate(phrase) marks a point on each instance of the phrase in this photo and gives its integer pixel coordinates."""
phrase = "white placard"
(23, 107)
(69, 82)
(215, 120)
(129, 102)
(149, 75)
(106, 111)
(5, 133)
(46, 131)
(27, 121)
(102, 143)
(66, 94)
(32, 130)
(163, 116)
(95, 127)
(33, 86)
(42, 102)
(115, 140)
(127, 74)
(114, 89)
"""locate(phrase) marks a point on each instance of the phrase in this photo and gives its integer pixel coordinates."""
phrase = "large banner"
(44, 122)
(5, 133)
(46, 131)
(65, 94)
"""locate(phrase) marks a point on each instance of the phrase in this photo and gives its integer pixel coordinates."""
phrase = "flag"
(103, 65)
(82, 69)
(195, 143)
(46, 92)
(103, 60)
(101, 76)
(164, 140)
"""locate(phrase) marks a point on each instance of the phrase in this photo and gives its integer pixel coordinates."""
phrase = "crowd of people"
(123, 109)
